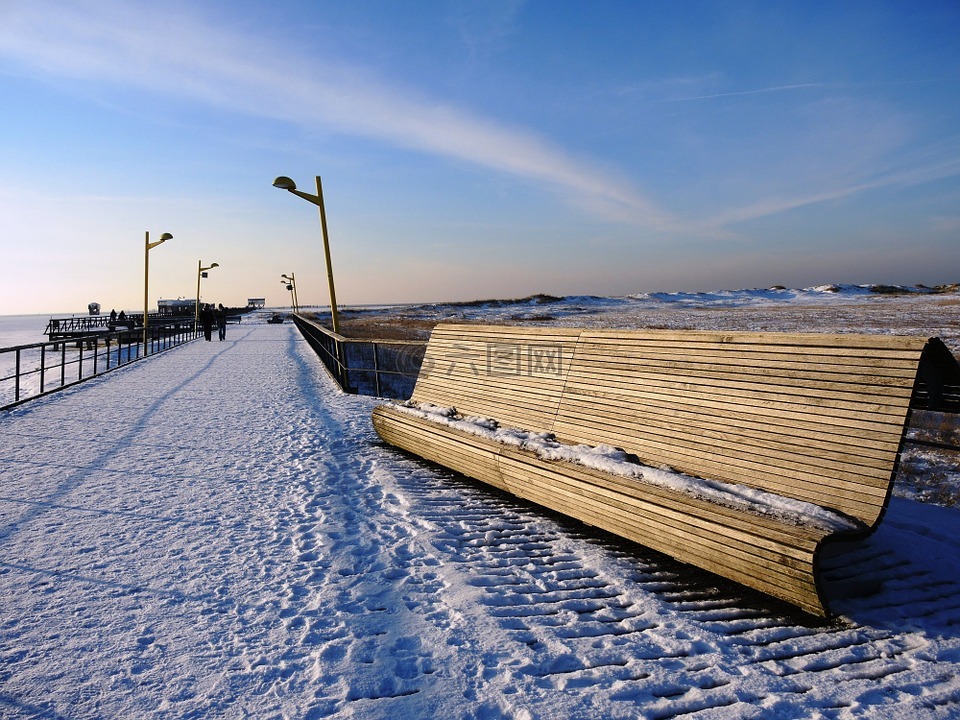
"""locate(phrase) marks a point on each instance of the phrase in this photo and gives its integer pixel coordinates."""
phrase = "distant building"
(256, 303)
(176, 307)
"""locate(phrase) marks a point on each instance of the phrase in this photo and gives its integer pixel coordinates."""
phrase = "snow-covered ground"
(827, 308)
(218, 532)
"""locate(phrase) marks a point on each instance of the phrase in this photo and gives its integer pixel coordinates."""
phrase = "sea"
(24, 329)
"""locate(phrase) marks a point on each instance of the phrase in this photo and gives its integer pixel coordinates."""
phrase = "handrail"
(58, 326)
(38, 369)
(365, 366)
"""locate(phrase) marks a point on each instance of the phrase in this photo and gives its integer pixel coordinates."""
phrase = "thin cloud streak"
(773, 206)
(812, 85)
(199, 60)
(741, 93)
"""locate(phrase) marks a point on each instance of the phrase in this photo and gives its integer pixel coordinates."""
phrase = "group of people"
(120, 319)
(210, 314)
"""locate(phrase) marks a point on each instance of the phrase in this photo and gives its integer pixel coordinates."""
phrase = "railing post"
(16, 392)
(342, 364)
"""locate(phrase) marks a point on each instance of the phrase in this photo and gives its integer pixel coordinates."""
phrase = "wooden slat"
(750, 393)
(818, 442)
(838, 465)
(676, 529)
(762, 409)
(844, 361)
(829, 441)
(811, 381)
(635, 489)
(873, 439)
(767, 364)
(877, 343)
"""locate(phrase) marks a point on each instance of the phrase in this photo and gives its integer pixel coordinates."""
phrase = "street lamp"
(148, 246)
(291, 283)
(196, 311)
(285, 183)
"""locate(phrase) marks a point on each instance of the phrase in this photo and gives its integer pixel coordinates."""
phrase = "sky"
(473, 149)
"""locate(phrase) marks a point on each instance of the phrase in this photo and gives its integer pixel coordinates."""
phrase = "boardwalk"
(216, 532)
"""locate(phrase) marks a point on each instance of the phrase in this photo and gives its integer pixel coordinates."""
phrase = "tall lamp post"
(291, 282)
(285, 183)
(201, 272)
(148, 246)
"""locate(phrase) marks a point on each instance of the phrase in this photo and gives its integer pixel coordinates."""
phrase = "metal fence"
(383, 368)
(31, 371)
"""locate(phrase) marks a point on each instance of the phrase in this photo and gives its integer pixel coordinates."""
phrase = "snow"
(828, 308)
(617, 462)
(218, 532)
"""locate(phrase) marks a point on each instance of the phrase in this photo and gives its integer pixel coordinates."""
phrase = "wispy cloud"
(903, 177)
(809, 86)
(181, 53)
(742, 93)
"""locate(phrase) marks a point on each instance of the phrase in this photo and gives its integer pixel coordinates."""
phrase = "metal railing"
(32, 371)
(75, 325)
(382, 368)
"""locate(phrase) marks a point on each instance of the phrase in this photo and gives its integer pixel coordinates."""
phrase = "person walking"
(206, 320)
(221, 321)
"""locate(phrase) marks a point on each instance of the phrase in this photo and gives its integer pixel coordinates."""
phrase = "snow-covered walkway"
(217, 532)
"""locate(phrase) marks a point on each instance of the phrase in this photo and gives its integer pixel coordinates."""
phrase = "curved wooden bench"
(767, 420)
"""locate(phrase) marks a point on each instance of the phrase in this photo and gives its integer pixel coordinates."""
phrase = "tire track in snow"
(585, 631)
(577, 629)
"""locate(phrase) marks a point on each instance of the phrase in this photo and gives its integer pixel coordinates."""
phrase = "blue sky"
(474, 149)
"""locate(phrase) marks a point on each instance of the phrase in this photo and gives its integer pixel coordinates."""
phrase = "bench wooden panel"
(515, 375)
(818, 396)
(816, 418)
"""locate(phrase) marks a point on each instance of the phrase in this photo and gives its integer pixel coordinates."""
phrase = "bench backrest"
(512, 374)
(814, 417)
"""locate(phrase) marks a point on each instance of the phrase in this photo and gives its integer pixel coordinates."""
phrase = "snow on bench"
(740, 453)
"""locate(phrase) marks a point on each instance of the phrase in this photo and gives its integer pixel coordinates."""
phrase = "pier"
(37, 369)
(216, 531)
(78, 326)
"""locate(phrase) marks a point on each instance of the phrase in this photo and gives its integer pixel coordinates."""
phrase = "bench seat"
(809, 422)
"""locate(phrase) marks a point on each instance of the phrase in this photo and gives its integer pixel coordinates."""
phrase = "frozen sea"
(217, 532)
(23, 329)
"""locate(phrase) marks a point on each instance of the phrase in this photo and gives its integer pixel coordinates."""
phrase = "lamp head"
(284, 183)
(165, 237)
(213, 265)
